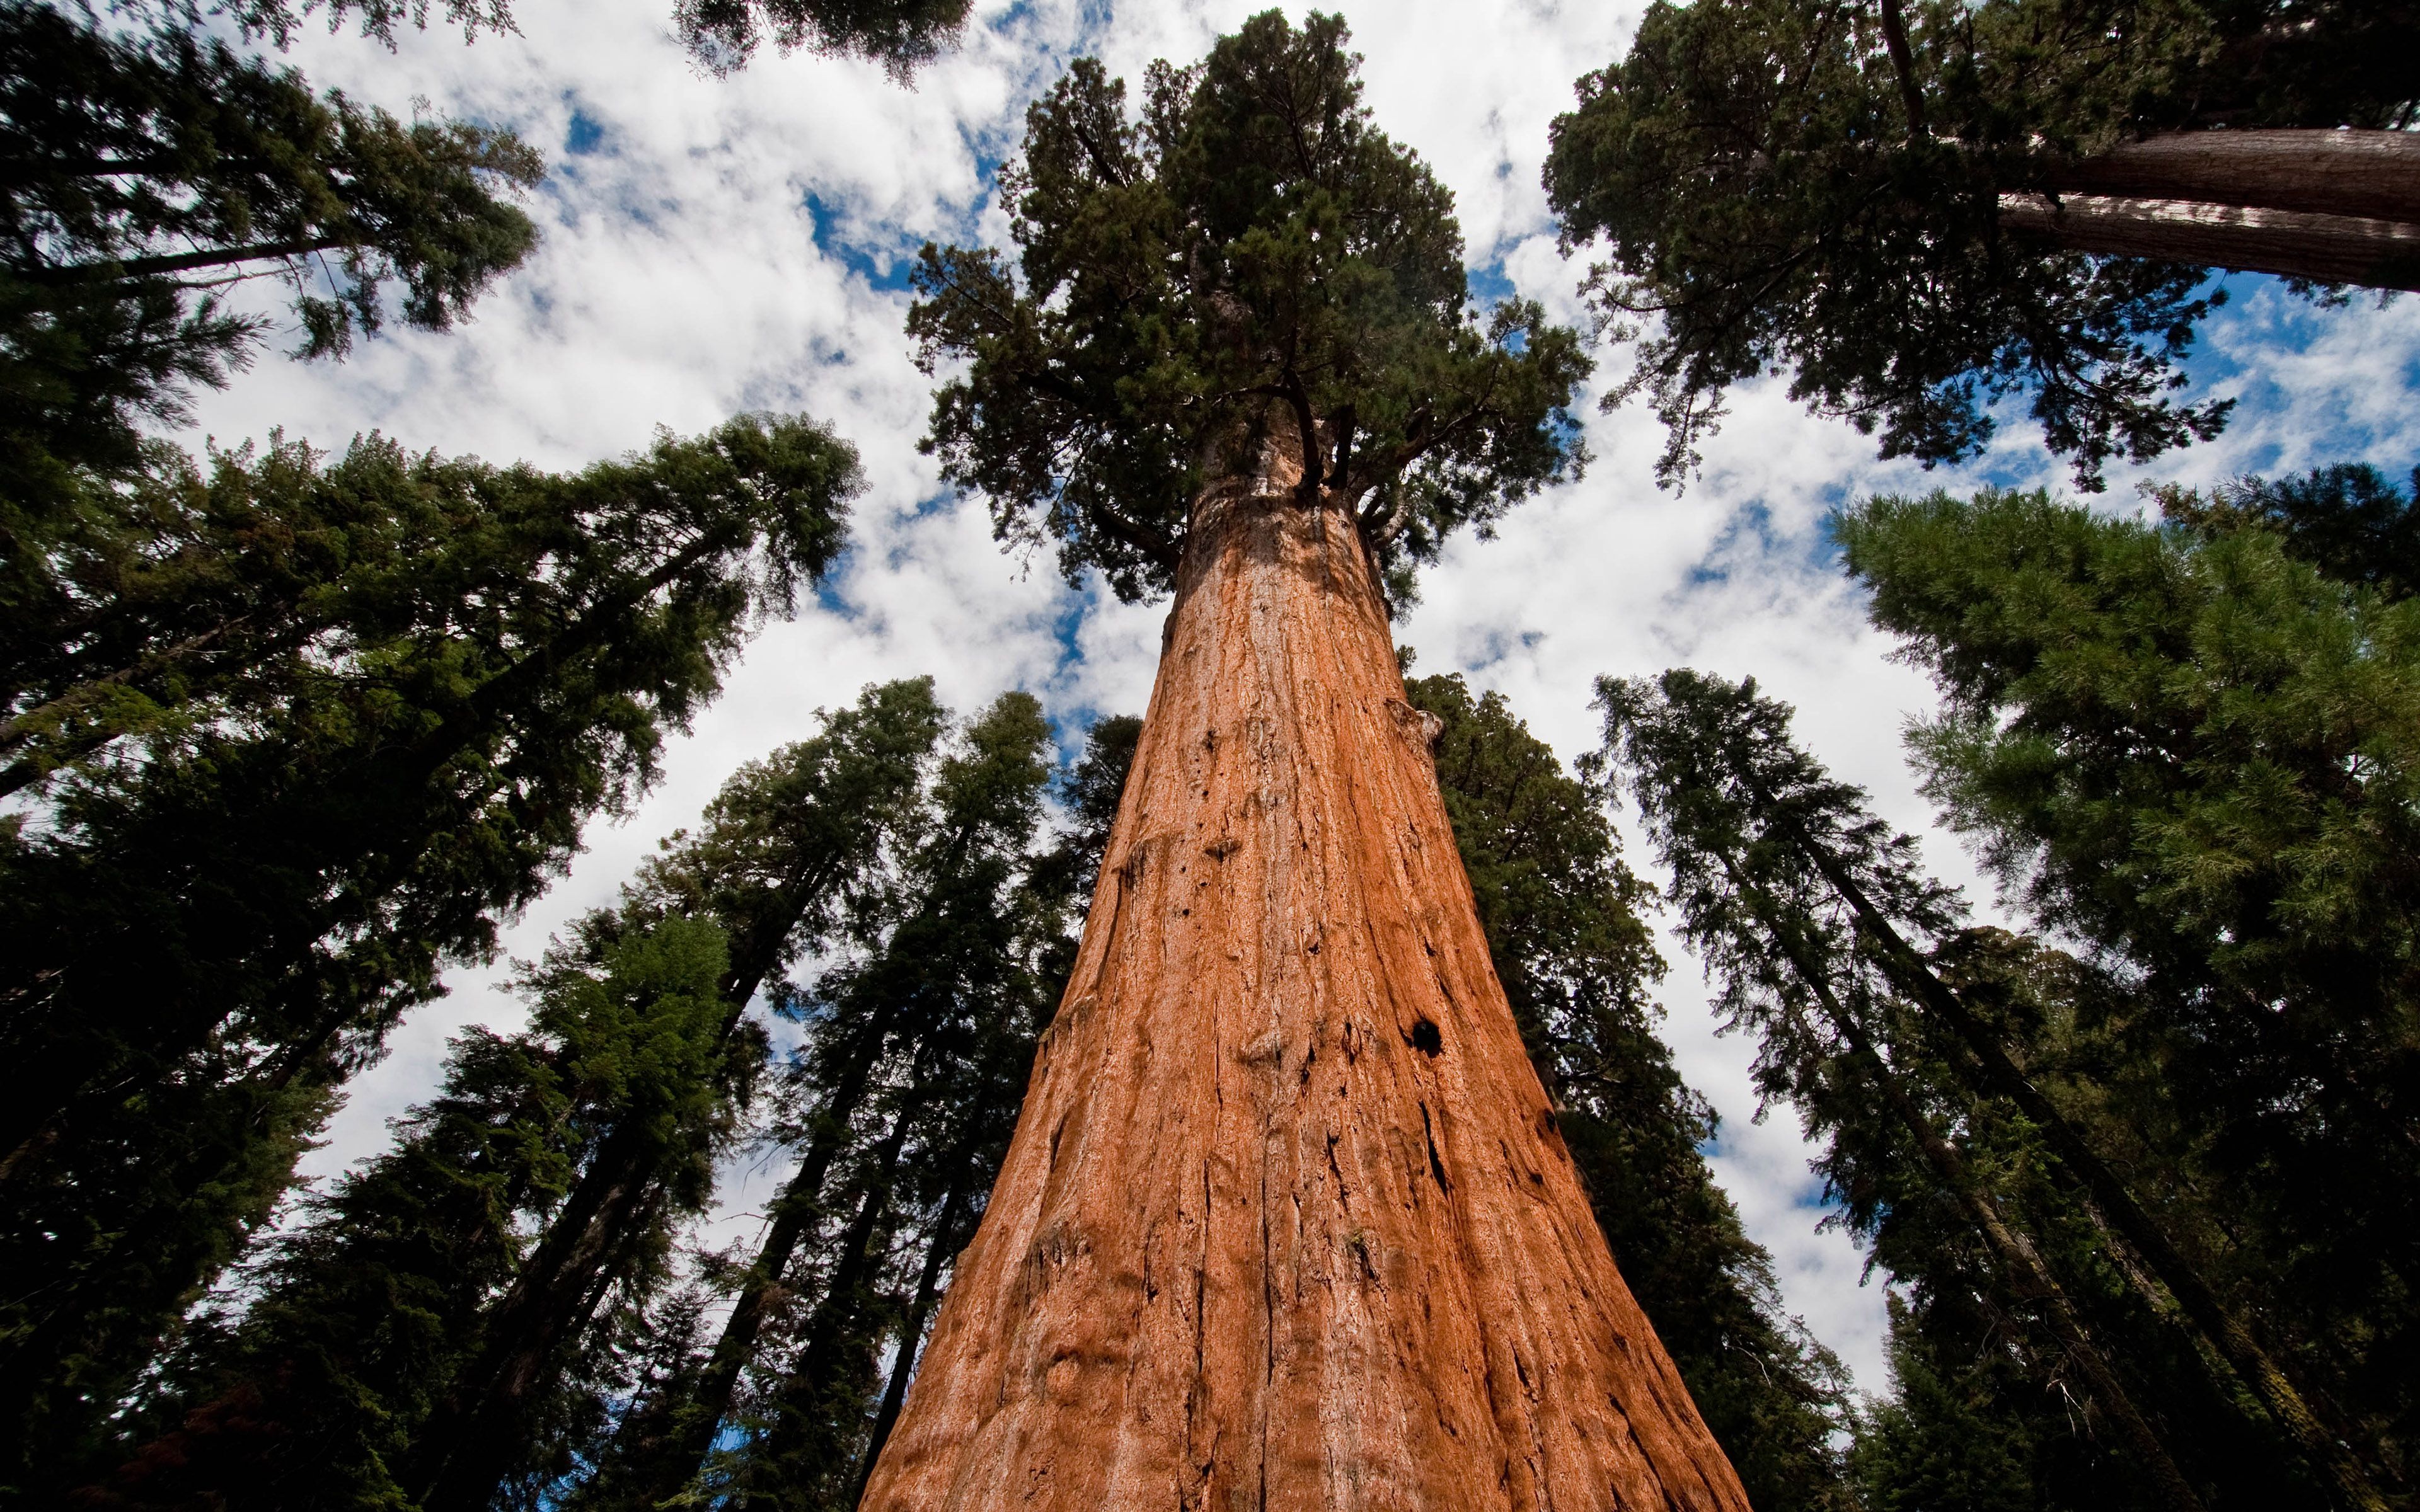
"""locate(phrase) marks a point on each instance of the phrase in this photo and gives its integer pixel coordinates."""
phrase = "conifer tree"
(791, 846)
(320, 1394)
(622, 1081)
(914, 1049)
(1562, 913)
(1919, 209)
(1811, 909)
(2188, 748)
(212, 927)
(2345, 519)
(1286, 1211)
(142, 171)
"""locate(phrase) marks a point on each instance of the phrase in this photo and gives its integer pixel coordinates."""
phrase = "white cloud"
(684, 276)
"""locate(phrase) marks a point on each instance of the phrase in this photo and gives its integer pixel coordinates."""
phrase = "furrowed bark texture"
(1287, 1222)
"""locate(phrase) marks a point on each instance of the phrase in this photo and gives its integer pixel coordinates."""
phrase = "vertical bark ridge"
(1286, 1221)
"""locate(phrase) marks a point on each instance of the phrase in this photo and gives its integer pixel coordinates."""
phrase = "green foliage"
(1251, 242)
(379, 1316)
(1561, 914)
(1764, 846)
(792, 851)
(1941, 1444)
(146, 171)
(724, 34)
(2195, 752)
(1782, 193)
(221, 911)
(315, 1394)
(2347, 520)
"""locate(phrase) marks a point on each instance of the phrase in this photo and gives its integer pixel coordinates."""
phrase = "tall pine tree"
(2187, 747)
(1847, 961)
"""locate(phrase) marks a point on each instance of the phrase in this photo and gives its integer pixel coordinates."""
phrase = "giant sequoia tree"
(1917, 210)
(1287, 1215)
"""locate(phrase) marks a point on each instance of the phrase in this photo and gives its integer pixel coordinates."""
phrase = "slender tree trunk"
(1286, 1221)
(2334, 206)
(683, 1444)
(2220, 1325)
(937, 1250)
(797, 1441)
(2014, 1252)
(480, 1427)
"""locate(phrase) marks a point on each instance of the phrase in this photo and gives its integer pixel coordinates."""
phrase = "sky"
(718, 245)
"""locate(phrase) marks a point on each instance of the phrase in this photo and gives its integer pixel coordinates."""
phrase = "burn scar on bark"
(1437, 1166)
(1425, 1039)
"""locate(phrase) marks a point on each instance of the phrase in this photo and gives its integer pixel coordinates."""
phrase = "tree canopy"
(147, 171)
(1817, 189)
(1248, 238)
(1992, 1107)
(899, 34)
(240, 879)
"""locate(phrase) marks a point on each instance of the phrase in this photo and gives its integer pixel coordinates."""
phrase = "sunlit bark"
(1287, 1222)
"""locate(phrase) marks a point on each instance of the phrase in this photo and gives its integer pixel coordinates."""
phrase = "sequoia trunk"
(1287, 1222)
(2325, 249)
(2334, 206)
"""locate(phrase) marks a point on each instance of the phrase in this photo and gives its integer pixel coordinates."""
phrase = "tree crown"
(1815, 188)
(1249, 249)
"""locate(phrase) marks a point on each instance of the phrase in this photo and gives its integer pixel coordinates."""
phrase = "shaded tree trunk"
(2373, 175)
(1287, 1221)
(480, 1430)
(804, 1440)
(2333, 206)
(2112, 1202)
(2019, 1260)
(937, 1250)
(679, 1444)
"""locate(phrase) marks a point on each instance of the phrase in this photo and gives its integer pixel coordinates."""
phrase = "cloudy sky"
(718, 245)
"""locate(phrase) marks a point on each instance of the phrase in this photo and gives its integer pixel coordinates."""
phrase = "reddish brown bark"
(1287, 1222)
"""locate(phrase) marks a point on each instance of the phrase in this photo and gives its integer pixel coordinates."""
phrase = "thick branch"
(131, 268)
(2375, 175)
(1903, 64)
(2325, 249)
